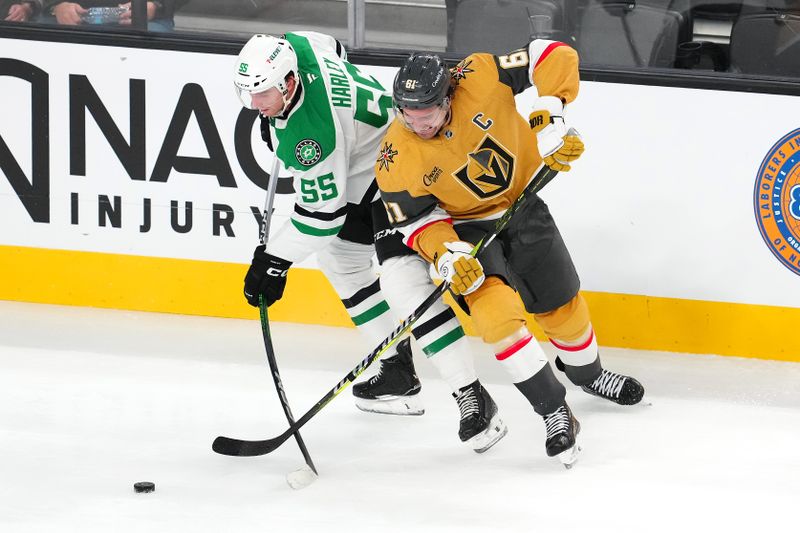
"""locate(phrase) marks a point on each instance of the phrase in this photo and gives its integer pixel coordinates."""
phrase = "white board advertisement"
(148, 152)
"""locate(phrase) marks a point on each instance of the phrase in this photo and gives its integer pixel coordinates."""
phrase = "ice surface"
(93, 400)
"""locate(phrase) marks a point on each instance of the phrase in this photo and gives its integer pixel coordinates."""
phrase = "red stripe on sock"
(574, 348)
(514, 348)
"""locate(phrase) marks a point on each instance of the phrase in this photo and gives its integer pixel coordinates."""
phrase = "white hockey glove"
(557, 146)
(457, 266)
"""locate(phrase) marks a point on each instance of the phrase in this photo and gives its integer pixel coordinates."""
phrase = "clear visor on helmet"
(426, 119)
(246, 97)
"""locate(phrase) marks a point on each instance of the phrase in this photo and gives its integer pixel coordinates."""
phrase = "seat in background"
(499, 26)
(765, 39)
(640, 33)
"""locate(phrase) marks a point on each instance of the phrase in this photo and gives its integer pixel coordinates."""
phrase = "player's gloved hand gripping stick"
(557, 145)
(249, 448)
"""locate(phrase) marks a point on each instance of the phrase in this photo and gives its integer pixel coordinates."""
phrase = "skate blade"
(570, 456)
(490, 436)
(401, 406)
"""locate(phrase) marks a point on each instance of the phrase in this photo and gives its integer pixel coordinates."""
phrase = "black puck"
(144, 486)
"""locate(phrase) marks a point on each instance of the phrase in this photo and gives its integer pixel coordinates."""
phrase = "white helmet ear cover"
(263, 63)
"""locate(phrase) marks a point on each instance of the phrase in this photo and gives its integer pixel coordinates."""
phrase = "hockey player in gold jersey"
(456, 156)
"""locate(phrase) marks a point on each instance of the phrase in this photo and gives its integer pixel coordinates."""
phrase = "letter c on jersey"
(482, 125)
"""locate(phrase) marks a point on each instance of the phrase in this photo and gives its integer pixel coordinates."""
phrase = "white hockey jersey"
(329, 142)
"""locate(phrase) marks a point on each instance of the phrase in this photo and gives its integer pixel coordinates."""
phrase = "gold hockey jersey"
(486, 154)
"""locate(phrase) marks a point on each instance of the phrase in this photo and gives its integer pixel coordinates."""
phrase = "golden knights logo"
(460, 71)
(488, 171)
(386, 156)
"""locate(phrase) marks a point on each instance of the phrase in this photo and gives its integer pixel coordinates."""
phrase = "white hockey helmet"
(263, 63)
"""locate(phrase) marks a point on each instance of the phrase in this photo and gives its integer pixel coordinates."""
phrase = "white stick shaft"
(272, 186)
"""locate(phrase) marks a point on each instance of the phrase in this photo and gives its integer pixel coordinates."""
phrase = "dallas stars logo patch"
(308, 152)
(460, 71)
(386, 156)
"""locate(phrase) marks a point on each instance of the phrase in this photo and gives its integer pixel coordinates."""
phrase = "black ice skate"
(618, 388)
(562, 432)
(480, 426)
(394, 390)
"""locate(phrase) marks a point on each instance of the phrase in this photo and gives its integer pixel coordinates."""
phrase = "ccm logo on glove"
(266, 276)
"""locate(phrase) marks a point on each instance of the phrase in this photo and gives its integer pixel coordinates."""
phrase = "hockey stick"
(273, 363)
(250, 448)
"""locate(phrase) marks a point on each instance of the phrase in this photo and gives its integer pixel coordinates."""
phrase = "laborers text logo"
(776, 200)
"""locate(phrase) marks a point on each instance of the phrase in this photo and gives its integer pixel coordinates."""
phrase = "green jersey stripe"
(316, 232)
(319, 225)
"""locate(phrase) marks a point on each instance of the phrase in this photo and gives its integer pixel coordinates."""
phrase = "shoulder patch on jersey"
(386, 156)
(477, 72)
(460, 71)
(308, 152)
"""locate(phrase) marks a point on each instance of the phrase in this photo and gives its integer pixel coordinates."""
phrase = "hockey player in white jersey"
(328, 118)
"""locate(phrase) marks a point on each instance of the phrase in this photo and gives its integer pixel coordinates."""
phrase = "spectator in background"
(159, 13)
(154, 9)
(19, 10)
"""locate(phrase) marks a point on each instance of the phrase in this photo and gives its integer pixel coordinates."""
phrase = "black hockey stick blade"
(247, 448)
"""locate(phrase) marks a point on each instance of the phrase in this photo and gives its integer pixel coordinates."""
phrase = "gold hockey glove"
(457, 266)
(557, 146)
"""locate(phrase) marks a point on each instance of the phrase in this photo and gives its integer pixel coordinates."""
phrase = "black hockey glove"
(267, 276)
